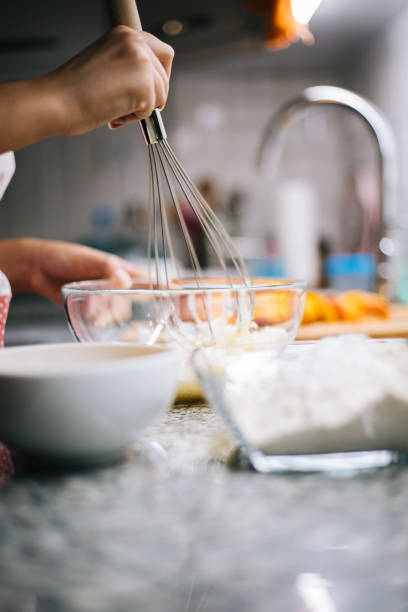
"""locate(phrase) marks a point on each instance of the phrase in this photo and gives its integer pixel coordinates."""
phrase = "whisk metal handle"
(153, 128)
(124, 12)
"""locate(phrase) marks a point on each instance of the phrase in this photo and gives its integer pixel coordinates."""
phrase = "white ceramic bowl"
(82, 404)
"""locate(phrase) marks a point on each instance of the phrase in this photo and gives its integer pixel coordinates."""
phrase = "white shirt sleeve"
(7, 168)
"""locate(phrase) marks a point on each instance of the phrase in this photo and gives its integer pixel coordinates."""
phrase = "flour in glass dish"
(340, 394)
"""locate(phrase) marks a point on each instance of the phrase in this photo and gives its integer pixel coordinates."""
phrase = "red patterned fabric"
(6, 464)
(4, 306)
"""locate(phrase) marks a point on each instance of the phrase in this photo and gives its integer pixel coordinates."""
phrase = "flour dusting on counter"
(345, 393)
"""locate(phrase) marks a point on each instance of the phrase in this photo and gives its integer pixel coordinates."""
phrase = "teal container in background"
(265, 267)
(351, 271)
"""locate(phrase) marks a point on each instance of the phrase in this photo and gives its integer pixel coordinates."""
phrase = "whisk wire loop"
(171, 186)
(198, 204)
(160, 161)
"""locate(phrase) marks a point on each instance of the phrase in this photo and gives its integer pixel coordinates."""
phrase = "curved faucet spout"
(296, 108)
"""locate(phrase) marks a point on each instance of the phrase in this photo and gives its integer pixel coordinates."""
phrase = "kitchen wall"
(381, 74)
(61, 181)
(215, 119)
(219, 118)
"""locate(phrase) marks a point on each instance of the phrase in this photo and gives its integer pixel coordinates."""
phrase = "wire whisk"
(169, 185)
(171, 191)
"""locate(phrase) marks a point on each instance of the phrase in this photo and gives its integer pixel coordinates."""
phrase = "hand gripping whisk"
(172, 193)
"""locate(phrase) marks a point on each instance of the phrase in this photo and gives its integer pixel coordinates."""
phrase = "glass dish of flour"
(339, 403)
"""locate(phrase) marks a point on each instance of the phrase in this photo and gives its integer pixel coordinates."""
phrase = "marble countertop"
(176, 529)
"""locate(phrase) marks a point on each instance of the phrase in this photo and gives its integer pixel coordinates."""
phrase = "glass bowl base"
(324, 462)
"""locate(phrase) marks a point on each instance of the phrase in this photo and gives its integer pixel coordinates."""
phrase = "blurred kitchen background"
(291, 219)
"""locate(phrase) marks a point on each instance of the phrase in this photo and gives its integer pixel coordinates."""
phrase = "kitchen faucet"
(295, 109)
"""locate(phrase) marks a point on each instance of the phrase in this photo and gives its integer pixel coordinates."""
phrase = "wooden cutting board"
(395, 326)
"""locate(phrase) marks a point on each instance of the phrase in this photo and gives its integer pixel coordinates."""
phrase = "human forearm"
(118, 79)
(29, 111)
(15, 263)
(43, 266)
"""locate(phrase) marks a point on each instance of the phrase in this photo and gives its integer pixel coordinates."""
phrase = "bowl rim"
(82, 288)
(109, 365)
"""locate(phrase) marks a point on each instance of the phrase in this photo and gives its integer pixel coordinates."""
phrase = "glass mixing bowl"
(267, 313)
(331, 405)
